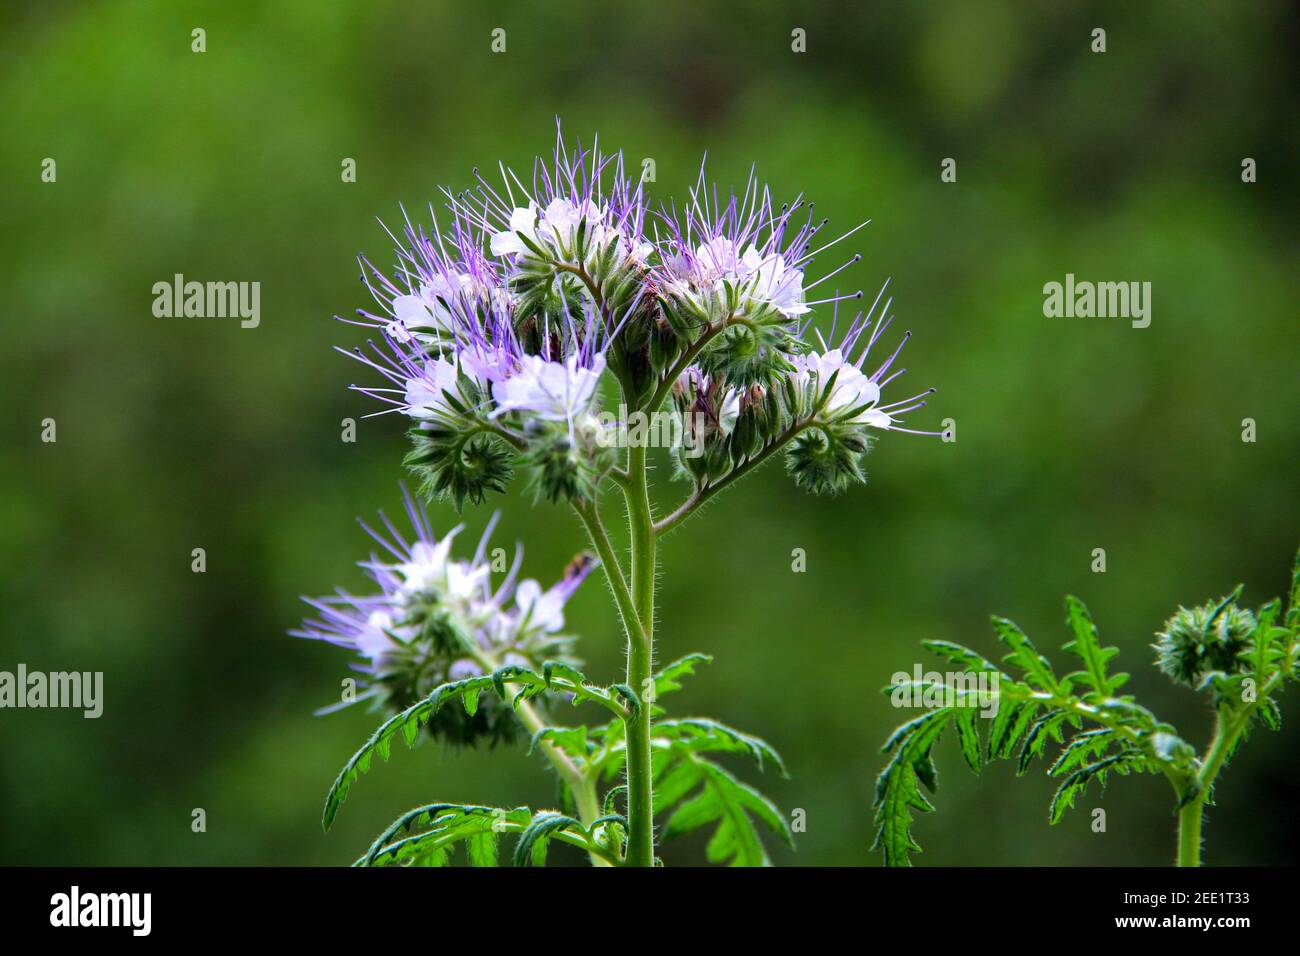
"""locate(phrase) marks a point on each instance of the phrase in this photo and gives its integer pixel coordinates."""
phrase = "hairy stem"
(636, 607)
(613, 569)
(1228, 726)
(682, 364)
(640, 846)
(1189, 832)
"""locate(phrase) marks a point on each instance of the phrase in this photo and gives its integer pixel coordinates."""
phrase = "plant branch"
(683, 363)
(704, 492)
(580, 784)
(590, 517)
(1229, 725)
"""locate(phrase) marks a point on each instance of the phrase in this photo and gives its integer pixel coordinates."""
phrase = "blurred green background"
(1073, 434)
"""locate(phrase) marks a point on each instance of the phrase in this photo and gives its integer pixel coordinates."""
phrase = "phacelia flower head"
(498, 300)
(434, 618)
(497, 329)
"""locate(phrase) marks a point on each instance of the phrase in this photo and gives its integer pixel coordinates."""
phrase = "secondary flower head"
(717, 267)
(435, 618)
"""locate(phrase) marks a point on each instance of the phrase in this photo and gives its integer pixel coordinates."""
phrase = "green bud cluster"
(1205, 642)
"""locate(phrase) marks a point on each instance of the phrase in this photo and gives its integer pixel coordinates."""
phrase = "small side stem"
(580, 785)
(610, 564)
(705, 492)
(683, 364)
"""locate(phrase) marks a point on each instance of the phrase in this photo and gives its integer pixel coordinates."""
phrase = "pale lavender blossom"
(855, 393)
(556, 391)
(746, 246)
(405, 633)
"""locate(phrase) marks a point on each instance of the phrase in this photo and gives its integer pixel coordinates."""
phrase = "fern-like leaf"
(621, 701)
(531, 848)
(1036, 667)
(444, 826)
(1123, 762)
(898, 791)
(666, 680)
(706, 794)
(702, 735)
(1087, 647)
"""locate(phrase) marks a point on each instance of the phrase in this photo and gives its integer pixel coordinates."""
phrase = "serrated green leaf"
(1045, 728)
(1090, 743)
(409, 721)
(732, 805)
(1018, 728)
(969, 738)
(444, 825)
(677, 781)
(959, 654)
(470, 700)
(482, 848)
(572, 740)
(1077, 782)
(1087, 647)
(666, 680)
(702, 734)
(531, 848)
(897, 793)
(1037, 669)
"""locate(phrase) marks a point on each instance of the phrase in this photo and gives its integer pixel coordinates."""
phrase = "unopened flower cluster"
(1203, 644)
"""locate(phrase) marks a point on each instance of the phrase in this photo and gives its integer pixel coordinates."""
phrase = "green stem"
(1227, 728)
(640, 844)
(682, 364)
(580, 784)
(705, 492)
(609, 562)
(1229, 725)
(1189, 832)
(636, 607)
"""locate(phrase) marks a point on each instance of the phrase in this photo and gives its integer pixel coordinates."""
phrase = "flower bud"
(1201, 642)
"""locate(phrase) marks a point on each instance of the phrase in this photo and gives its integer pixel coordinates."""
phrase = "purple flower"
(855, 397)
(553, 391)
(579, 191)
(433, 618)
(745, 252)
(461, 318)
